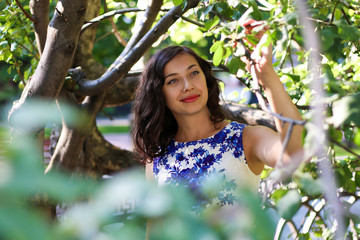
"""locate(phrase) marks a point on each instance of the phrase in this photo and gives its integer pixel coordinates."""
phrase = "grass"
(114, 129)
(102, 129)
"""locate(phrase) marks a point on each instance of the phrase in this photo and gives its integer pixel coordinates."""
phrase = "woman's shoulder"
(236, 126)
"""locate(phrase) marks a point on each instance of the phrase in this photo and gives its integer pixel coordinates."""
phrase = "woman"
(184, 138)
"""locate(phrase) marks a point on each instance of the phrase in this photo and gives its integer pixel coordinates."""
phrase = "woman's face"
(185, 88)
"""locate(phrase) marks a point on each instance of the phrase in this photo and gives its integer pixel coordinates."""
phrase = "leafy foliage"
(17, 43)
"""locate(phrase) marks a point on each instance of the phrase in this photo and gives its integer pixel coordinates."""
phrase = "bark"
(121, 93)
(85, 151)
(248, 115)
(109, 158)
(40, 11)
(83, 56)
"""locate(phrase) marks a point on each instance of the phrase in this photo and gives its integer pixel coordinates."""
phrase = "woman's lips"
(190, 99)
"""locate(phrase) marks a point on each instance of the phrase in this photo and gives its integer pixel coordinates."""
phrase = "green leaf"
(212, 23)
(357, 179)
(335, 134)
(233, 65)
(294, 77)
(4, 44)
(215, 46)
(218, 55)
(289, 204)
(177, 2)
(324, 11)
(337, 14)
(310, 186)
(347, 110)
(350, 186)
(278, 194)
(339, 176)
(327, 38)
(256, 13)
(357, 138)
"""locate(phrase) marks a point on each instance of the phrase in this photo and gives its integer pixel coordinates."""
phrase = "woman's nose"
(187, 85)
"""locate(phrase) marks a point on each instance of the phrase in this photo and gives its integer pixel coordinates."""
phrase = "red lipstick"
(190, 99)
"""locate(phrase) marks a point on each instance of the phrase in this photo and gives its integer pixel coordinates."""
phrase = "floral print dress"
(193, 164)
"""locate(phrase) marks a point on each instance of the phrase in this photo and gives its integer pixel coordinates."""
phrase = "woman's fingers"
(250, 24)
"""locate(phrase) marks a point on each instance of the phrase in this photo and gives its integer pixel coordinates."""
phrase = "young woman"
(182, 135)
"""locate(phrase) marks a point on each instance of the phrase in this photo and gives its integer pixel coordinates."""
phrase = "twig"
(103, 36)
(25, 12)
(346, 17)
(115, 30)
(192, 21)
(285, 143)
(117, 34)
(345, 148)
(333, 12)
(108, 15)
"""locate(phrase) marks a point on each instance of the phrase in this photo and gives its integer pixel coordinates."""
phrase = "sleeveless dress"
(193, 165)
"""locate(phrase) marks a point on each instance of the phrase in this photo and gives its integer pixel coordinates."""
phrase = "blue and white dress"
(192, 164)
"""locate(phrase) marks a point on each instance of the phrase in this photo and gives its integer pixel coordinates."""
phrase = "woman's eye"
(194, 73)
(172, 81)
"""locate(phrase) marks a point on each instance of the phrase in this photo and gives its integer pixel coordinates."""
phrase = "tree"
(67, 41)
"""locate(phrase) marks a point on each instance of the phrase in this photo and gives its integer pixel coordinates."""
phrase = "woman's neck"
(194, 128)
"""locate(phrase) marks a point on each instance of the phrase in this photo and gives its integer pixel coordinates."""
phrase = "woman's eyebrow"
(172, 74)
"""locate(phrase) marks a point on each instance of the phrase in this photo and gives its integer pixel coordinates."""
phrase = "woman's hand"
(261, 57)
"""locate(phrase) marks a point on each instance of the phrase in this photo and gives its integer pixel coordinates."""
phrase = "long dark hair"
(154, 126)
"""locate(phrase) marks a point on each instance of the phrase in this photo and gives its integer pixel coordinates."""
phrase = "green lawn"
(114, 129)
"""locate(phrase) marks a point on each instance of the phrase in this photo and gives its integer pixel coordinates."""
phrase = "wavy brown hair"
(154, 126)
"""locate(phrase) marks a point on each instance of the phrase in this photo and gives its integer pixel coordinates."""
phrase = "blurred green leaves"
(114, 207)
(289, 204)
(37, 113)
(347, 110)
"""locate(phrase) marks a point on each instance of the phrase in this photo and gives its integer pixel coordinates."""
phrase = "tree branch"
(108, 79)
(40, 11)
(247, 115)
(143, 24)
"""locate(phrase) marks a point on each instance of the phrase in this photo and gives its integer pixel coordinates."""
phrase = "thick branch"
(142, 25)
(93, 87)
(247, 115)
(104, 158)
(40, 12)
